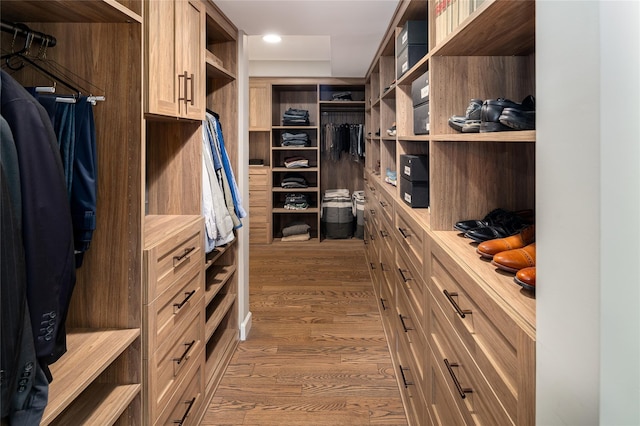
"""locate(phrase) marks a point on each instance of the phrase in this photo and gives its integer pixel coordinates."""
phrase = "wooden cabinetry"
(175, 74)
(259, 205)
(477, 327)
(99, 379)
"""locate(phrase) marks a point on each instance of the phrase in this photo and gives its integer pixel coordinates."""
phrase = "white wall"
(588, 213)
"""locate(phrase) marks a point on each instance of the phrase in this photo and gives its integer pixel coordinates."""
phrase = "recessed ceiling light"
(272, 38)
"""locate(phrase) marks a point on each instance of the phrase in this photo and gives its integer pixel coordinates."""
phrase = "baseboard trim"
(245, 327)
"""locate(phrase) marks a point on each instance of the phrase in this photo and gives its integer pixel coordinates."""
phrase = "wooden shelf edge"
(227, 272)
(218, 360)
(216, 318)
(528, 136)
(216, 71)
(308, 189)
(281, 210)
(100, 404)
(211, 257)
(295, 169)
(89, 353)
(106, 11)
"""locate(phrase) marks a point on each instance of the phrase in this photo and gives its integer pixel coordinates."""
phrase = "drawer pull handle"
(461, 312)
(177, 306)
(382, 267)
(383, 233)
(404, 278)
(373, 212)
(178, 259)
(366, 242)
(384, 308)
(383, 204)
(404, 326)
(404, 379)
(462, 391)
(404, 232)
(186, 413)
(186, 351)
(372, 265)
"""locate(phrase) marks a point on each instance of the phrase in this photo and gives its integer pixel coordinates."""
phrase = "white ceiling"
(320, 38)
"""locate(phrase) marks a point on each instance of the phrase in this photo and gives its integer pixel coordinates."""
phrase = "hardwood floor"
(316, 353)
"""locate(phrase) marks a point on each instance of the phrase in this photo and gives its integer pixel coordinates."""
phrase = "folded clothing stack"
(295, 117)
(342, 96)
(296, 231)
(357, 207)
(296, 202)
(294, 139)
(294, 180)
(296, 162)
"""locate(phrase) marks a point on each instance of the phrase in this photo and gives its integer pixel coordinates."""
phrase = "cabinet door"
(162, 92)
(259, 105)
(190, 24)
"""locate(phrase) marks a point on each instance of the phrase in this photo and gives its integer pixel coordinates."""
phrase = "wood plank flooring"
(316, 353)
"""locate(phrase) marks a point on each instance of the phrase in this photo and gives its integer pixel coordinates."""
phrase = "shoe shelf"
(515, 136)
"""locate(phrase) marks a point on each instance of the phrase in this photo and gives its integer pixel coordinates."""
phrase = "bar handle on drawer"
(177, 306)
(186, 351)
(404, 232)
(404, 326)
(373, 212)
(372, 265)
(178, 259)
(404, 379)
(462, 391)
(384, 233)
(186, 413)
(404, 278)
(384, 308)
(383, 203)
(461, 312)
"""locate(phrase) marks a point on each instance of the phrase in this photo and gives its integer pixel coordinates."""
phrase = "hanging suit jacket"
(46, 219)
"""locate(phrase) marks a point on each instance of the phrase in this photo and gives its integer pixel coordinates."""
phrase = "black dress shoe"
(467, 225)
(517, 119)
(492, 110)
(486, 233)
(472, 115)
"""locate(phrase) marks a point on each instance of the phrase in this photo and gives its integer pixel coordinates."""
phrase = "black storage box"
(421, 119)
(415, 194)
(420, 89)
(409, 57)
(413, 32)
(414, 168)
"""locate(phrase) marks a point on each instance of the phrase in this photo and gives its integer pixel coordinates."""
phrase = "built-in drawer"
(411, 284)
(504, 353)
(258, 201)
(184, 406)
(168, 366)
(388, 314)
(171, 308)
(171, 258)
(440, 401)
(385, 232)
(410, 236)
(258, 232)
(388, 272)
(412, 337)
(475, 398)
(411, 386)
(258, 215)
(385, 200)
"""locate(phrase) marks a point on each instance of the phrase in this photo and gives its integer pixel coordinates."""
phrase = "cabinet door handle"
(461, 312)
(462, 391)
(404, 232)
(404, 278)
(177, 306)
(180, 258)
(384, 308)
(186, 351)
(404, 326)
(404, 379)
(184, 87)
(186, 413)
(192, 88)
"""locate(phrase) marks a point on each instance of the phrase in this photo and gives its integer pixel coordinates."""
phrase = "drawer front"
(171, 259)
(386, 205)
(258, 214)
(185, 405)
(258, 233)
(385, 232)
(475, 398)
(411, 387)
(502, 351)
(411, 337)
(388, 272)
(258, 201)
(410, 236)
(172, 308)
(174, 357)
(388, 314)
(411, 284)
(440, 401)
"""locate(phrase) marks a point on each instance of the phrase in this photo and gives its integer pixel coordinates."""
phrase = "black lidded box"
(420, 90)
(409, 57)
(414, 193)
(414, 168)
(413, 32)
(421, 119)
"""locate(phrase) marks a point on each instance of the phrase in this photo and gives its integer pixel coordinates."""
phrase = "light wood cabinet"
(259, 105)
(259, 205)
(477, 327)
(175, 74)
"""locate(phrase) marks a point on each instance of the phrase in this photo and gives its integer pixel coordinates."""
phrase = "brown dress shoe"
(489, 248)
(527, 278)
(514, 260)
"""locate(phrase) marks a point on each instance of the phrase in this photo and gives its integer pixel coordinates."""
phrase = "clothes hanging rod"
(26, 32)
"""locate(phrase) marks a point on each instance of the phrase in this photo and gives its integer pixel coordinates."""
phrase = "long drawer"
(411, 284)
(411, 385)
(412, 338)
(171, 258)
(410, 236)
(175, 356)
(502, 350)
(172, 308)
(441, 403)
(473, 395)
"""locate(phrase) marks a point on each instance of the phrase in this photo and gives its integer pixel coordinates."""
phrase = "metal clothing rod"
(26, 32)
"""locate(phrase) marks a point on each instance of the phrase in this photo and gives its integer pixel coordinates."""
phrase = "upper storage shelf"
(514, 36)
(221, 41)
(71, 11)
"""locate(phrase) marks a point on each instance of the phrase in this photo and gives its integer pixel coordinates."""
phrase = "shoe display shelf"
(476, 317)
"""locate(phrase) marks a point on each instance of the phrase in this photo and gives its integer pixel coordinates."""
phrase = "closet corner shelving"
(99, 379)
(469, 175)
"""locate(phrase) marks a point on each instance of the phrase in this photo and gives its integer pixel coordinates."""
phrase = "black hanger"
(215, 114)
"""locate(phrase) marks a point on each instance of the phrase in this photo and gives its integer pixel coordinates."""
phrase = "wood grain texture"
(317, 353)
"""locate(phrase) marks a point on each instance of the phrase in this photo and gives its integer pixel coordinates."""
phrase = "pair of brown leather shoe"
(515, 260)
(490, 248)
(526, 278)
